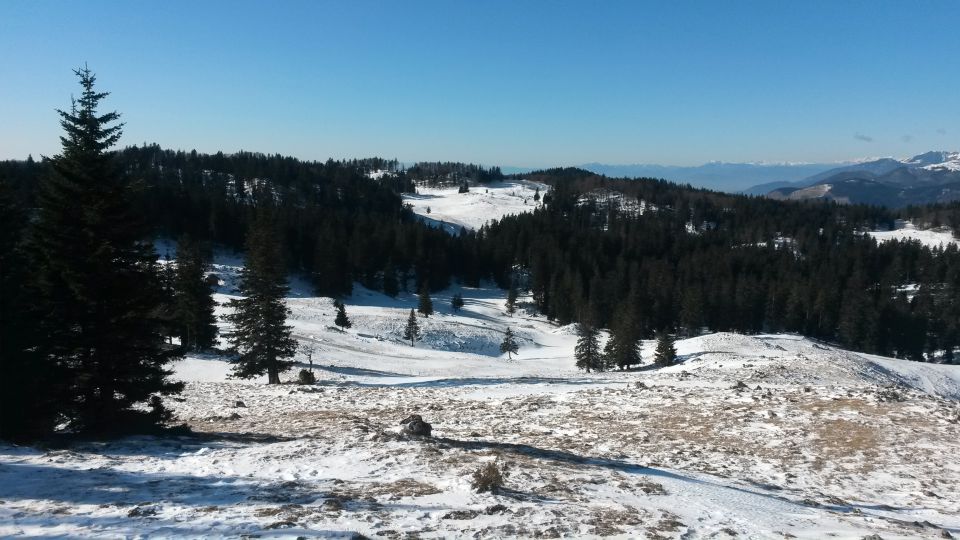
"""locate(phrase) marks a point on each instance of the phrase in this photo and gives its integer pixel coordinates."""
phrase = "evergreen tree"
(666, 354)
(193, 300)
(342, 320)
(260, 335)
(457, 302)
(98, 289)
(536, 196)
(424, 303)
(509, 344)
(390, 286)
(412, 331)
(28, 401)
(587, 351)
(623, 348)
(512, 299)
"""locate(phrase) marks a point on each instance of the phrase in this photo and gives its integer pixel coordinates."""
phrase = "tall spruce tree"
(509, 344)
(512, 299)
(666, 353)
(260, 336)
(193, 303)
(457, 302)
(342, 320)
(424, 303)
(412, 330)
(97, 281)
(587, 351)
(623, 348)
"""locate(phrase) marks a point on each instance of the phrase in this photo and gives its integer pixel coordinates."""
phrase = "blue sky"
(511, 83)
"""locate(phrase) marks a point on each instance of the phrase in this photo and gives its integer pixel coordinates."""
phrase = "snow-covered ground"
(816, 442)
(453, 210)
(906, 230)
(770, 436)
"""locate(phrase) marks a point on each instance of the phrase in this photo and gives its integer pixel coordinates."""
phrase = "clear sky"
(512, 83)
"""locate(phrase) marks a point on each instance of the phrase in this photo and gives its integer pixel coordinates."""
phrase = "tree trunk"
(273, 377)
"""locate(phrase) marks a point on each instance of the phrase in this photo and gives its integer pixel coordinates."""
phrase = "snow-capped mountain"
(925, 178)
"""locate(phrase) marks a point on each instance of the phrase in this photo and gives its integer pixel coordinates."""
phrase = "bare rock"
(414, 425)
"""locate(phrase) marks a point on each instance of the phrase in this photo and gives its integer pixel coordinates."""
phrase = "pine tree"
(536, 196)
(260, 335)
(623, 348)
(666, 354)
(412, 331)
(98, 290)
(193, 300)
(28, 403)
(509, 344)
(457, 302)
(390, 286)
(587, 351)
(512, 299)
(342, 320)
(425, 304)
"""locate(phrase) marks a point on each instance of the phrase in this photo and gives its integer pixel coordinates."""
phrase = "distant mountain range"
(717, 175)
(926, 178)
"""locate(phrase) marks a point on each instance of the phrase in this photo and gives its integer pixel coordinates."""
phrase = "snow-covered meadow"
(769, 436)
(452, 210)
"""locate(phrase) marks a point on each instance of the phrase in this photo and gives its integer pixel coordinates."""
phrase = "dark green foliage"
(424, 303)
(193, 304)
(412, 330)
(98, 293)
(509, 344)
(342, 320)
(694, 258)
(587, 351)
(456, 302)
(260, 336)
(512, 299)
(390, 286)
(31, 382)
(666, 354)
(306, 377)
(623, 348)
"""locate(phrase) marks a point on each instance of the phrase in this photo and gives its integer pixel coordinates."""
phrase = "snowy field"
(772, 436)
(452, 210)
(908, 231)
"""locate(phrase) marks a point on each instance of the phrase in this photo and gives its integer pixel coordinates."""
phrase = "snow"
(906, 230)
(452, 210)
(816, 442)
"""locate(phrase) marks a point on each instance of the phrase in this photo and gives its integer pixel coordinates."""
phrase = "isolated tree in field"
(193, 303)
(536, 196)
(457, 302)
(623, 348)
(512, 299)
(666, 354)
(509, 344)
(412, 331)
(587, 351)
(342, 320)
(424, 303)
(98, 292)
(260, 335)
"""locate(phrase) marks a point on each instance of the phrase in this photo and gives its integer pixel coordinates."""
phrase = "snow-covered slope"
(908, 231)
(769, 436)
(452, 210)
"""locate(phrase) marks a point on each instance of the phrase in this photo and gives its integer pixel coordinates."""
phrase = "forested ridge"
(599, 250)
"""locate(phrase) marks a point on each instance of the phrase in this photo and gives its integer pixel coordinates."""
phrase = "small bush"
(306, 377)
(489, 477)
